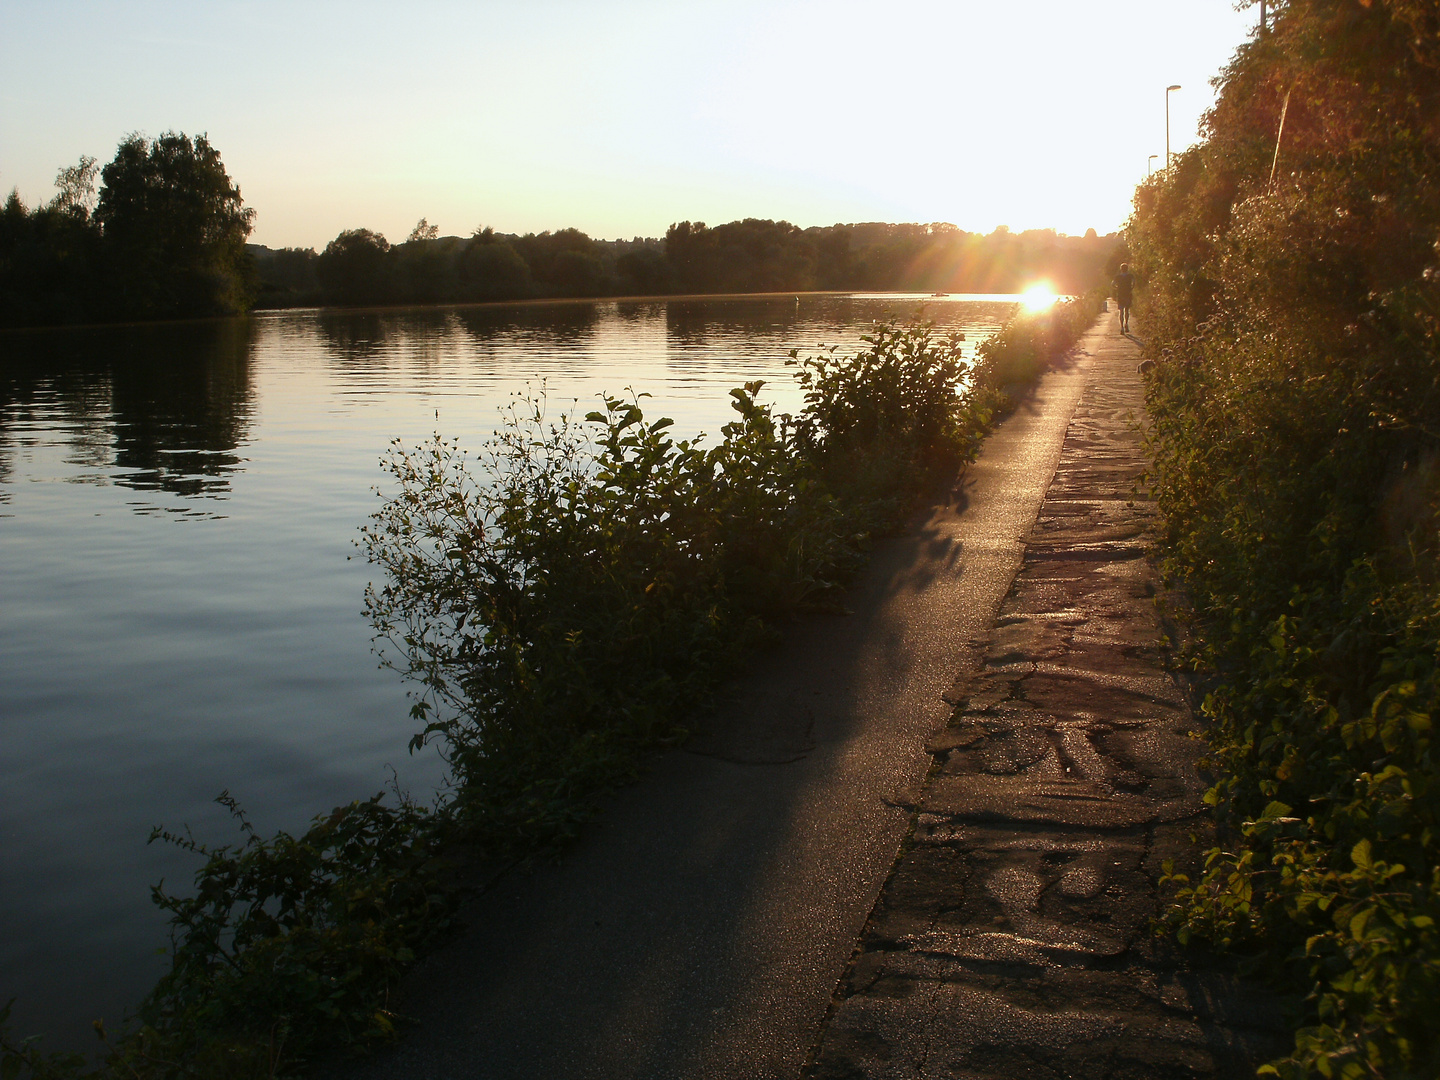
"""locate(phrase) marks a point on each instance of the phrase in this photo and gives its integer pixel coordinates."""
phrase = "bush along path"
(567, 602)
(1288, 278)
(699, 926)
(1015, 935)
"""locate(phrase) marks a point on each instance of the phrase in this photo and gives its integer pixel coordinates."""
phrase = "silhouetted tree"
(286, 275)
(425, 269)
(490, 269)
(753, 255)
(174, 230)
(48, 265)
(578, 273)
(352, 268)
(834, 267)
(644, 271)
(564, 263)
(76, 186)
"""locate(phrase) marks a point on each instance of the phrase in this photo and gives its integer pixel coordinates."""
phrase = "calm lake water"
(179, 612)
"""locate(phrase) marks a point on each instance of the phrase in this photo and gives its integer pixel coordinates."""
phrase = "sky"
(620, 117)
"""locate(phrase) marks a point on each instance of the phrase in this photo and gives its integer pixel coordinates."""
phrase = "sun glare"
(1038, 297)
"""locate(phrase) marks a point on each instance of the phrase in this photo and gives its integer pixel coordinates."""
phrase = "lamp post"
(1167, 124)
(1149, 168)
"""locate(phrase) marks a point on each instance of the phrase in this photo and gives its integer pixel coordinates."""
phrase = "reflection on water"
(354, 335)
(542, 324)
(161, 409)
(144, 668)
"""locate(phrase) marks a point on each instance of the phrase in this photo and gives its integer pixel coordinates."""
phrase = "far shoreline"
(534, 301)
(651, 298)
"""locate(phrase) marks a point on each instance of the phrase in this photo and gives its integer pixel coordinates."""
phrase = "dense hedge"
(1291, 296)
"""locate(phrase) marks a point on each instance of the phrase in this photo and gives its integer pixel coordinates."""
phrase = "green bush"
(563, 602)
(572, 597)
(1296, 329)
(289, 947)
(1027, 345)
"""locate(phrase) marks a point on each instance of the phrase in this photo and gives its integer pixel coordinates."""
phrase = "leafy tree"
(753, 255)
(352, 267)
(424, 270)
(565, 263)
(287, 276)
(644, 271)
(48, 261)
(76, 184)
(1289, 293)
(175, 228)
(490, 269)
(578, 273)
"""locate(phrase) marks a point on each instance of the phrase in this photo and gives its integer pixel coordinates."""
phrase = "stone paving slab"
(1013, 938)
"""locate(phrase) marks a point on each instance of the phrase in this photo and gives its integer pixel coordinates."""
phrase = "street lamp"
(1167, 124)
(1148, 167)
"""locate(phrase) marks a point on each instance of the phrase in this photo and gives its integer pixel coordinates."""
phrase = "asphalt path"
(699, 928)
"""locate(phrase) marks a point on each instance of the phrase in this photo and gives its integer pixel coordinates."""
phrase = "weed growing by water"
(288, 948)
(1026, 346)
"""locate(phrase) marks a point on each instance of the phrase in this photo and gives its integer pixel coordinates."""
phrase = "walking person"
(1124, 292)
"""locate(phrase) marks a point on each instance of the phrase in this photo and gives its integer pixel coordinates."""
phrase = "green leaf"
(1358, 923)
(1360, 855)
(1275, 810)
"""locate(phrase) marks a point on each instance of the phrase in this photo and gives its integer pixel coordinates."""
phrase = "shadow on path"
(699, 928)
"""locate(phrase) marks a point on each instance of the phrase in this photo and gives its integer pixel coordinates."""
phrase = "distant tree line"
(360, 267)
(160, 233)
(160, 236)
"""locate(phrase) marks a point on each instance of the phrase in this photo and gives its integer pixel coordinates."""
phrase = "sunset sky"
(622, 117)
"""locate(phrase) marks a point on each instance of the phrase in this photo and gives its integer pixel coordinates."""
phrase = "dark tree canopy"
(175, 229)
(754, 255)
(352, 265)
(165, 239)
(49, 264)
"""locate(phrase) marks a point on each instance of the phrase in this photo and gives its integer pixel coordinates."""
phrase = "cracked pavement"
(1013, 938)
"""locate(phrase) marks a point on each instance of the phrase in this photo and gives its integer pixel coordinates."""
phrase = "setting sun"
(1039, 296)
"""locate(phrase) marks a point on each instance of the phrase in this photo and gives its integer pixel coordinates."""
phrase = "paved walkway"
(699, 929)
(1012, 940)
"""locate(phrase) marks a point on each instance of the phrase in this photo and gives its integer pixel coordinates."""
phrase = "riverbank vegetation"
(162, 236)
(565, 601)
(1291, 295)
